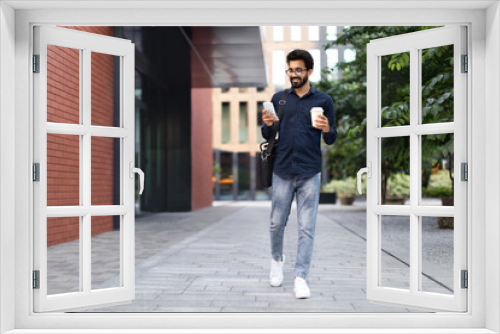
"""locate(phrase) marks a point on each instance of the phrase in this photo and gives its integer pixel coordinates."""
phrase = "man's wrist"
(327, 131)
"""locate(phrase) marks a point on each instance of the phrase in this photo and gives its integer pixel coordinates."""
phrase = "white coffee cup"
(314, 113)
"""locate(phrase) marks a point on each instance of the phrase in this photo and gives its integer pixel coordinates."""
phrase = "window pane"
(260, 106)
(243, 176)
(226, 123)
(316, 76)
(349, 55)
(63, 170)
(243, 122)
(226, 176)
(438, 170)
(332, 60)
(279, 67)
(63, 85)
(437, 255)
(105, 172)
(331, 33)
(106, 252)
(437, 85)
(314, 33)
(395, 108)
(395, 168)
(105, 89)
(63, 255)
(278, 34)
(395, 252)
(296, 32)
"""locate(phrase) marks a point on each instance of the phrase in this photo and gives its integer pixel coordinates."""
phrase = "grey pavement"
(217, 260)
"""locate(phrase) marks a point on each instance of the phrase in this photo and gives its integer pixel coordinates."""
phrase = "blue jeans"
(307, 193)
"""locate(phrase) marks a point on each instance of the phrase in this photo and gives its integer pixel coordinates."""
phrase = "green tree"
(348, 154)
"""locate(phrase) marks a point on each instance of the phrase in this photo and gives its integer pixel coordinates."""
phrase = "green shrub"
(398, 185)
(439, 185)
(345, 187)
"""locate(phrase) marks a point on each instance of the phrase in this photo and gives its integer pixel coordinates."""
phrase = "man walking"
(297, 166)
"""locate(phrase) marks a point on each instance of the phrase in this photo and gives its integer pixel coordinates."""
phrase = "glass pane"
(395, 108)
(105, 171)
(63, 255)
(278, 33)
(395, 169)
(226, 123)
(226, 176)
(437, 254)
(332, 60)
(296, 33)
(279, 67)
(243, 176)
(243, 122)
(105, 90)
(331, 33)
(63, 85)
(314, 34)
(260, 106)
(437, 84)
(63, 170)
(106, 252)
(316, 76)
(437, 169)
(395, 252)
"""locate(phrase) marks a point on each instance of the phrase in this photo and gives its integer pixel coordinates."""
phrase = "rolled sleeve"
(330, 137)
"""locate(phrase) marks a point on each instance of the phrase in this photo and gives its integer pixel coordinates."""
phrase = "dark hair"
(299, 54)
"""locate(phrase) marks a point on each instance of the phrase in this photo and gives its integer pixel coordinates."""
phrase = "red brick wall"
(201, 147)
(63, 151)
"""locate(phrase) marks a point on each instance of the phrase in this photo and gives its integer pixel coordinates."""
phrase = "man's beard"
(301, 82)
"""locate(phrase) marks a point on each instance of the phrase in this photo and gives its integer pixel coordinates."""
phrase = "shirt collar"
(312, 91)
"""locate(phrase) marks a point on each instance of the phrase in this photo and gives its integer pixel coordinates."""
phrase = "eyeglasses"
(297, 71)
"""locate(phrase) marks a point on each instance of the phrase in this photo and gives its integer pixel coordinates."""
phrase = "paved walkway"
(217, 260)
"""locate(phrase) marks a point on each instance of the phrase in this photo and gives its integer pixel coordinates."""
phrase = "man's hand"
(322, 123)
(268, 117)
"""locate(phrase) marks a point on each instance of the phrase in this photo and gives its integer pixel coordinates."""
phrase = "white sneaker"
(276, 274)
(301, 288)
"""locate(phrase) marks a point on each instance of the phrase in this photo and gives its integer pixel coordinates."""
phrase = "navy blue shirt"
(299, 145)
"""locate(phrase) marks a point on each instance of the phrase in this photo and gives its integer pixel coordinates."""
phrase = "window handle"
(368, 171)
(134, 170)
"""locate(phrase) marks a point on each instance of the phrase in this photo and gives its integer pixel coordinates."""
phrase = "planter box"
(347, 200)
(327, 198)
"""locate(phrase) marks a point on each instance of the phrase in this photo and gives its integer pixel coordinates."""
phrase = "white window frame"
(484, 211)
(87, 45)
(414, 43)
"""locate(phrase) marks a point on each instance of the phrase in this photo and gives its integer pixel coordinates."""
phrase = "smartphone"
(270, 108)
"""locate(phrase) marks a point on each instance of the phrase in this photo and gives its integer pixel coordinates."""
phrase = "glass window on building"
(260, 106)
(226, 123)
(243, 122)
(316, 76)
(331, 33)
(349, 55)
(279, 33)
(314, 33)
(279, 67)
(263, 33)
(332, 60)
(296, 33)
